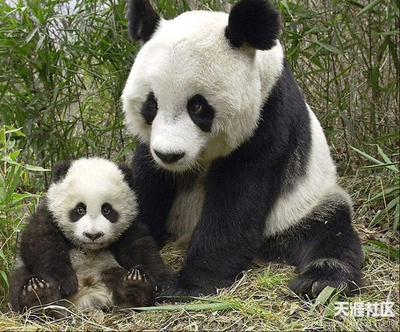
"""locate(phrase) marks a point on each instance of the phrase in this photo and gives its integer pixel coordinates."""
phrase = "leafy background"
(63, 65)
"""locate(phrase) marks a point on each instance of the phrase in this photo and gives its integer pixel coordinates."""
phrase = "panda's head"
(92, 202)
(198, 83)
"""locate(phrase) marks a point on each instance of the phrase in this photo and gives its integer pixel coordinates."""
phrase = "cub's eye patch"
(77, 212)
(108, 212)
(149, 108)
(201, 112)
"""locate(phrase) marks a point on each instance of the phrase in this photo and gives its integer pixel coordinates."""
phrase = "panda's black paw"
(187, 290)
(138, 287)
(68, 285)
(36, 292)
(311, 282)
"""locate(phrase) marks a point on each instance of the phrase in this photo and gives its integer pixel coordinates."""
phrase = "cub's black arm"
(137, 247)
(45, 252)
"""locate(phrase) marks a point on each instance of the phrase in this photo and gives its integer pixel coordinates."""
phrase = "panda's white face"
(93, 204)
(193, 97)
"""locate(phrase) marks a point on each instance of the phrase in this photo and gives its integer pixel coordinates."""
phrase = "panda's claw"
(137, 275)
(29, 287)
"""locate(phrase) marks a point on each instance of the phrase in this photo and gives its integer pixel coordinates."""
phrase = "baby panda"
(68, 249)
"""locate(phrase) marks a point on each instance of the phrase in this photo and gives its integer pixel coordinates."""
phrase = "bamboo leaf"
(218, 306)
(367, 156)
(329, 47)
(369, 7)
(383, 248)
(36, 168)
(324, 296)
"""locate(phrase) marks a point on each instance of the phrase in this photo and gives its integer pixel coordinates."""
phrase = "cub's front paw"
(138, 288)
(37, 292)
(68, 285)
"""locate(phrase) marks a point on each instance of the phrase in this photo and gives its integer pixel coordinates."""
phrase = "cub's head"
(92, 202)
(198, 83)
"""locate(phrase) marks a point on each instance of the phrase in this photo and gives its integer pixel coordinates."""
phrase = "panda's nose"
(169, 158)
(93, 236)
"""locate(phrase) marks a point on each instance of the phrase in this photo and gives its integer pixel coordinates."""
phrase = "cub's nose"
(93, 236)
(169, 158)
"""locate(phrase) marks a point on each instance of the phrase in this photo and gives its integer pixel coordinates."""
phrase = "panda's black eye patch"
(201, 112)
(77, 212)
(108, 212)
(149, 108)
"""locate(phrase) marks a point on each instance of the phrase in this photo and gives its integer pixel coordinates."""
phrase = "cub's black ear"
(253, 22)
(60, 170)
(142, 20)
(128, 174)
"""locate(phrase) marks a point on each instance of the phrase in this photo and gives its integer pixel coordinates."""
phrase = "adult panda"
(230, 153)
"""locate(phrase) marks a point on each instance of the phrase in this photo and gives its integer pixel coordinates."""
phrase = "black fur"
(149, 108)
(201, 112)
(21, 298)
(240, 192)
(128, 291)
(137, 247)
(74, 215)
(44, 251)
(60, 170)
(142, 20)
(109, 213)
(253, 22)
(313, 244)
(155, 190)
(128, 175)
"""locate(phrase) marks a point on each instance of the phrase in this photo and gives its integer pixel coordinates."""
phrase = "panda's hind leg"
(324, 247)
(28, 290)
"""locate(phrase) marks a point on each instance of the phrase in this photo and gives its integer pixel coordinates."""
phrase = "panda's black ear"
(60, 170)
(253, 22)
(128, 174)
(142, 20)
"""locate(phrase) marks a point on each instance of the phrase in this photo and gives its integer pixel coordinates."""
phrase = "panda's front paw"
(192, 290)
(138, 287)
(68, 285)
(311, 282)
(37, 291)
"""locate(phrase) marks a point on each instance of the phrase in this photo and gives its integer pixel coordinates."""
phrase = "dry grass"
(260, 300)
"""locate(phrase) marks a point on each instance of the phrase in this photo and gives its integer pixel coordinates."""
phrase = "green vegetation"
(62, 70)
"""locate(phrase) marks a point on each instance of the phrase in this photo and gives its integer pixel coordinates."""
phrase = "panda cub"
(68, 249)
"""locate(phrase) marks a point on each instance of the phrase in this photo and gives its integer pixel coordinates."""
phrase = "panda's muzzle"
(93, 236)
(169, 158)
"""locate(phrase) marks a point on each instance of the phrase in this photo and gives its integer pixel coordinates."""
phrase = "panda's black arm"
(155, 190)
(137, 247)
(230, 231)
(45, 252)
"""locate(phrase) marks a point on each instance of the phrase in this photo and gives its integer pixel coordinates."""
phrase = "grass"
(62, 70)
(258, 301)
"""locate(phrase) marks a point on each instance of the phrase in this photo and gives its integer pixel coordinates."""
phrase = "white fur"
(319, 183)
(92, 181)
(89, 266)
(190, 55)
(186, 210)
